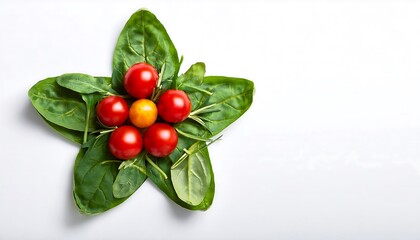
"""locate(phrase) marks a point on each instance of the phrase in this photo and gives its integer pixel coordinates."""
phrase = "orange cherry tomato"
(143, 113)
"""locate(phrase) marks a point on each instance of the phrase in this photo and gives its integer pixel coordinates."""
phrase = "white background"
(330, 148)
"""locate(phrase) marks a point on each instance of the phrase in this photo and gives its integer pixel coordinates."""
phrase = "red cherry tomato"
(174, 106)
(112, 111)
(125, 142)
(160, 139)
(140, 80)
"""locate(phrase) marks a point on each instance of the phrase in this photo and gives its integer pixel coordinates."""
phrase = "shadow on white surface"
(73, 217)
(178, 212)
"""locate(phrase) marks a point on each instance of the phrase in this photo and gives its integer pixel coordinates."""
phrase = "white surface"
(330, 148)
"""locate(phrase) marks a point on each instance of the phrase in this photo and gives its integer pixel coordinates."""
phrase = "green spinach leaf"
(191, 178)
(131, 176)
(192, 79)
(166, 185)
(86, 84)
(95, 171)
(230, 99)
(144, 39)
(59, 105)
(72, 135)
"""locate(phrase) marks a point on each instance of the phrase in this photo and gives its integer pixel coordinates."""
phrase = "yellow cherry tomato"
(143, 113)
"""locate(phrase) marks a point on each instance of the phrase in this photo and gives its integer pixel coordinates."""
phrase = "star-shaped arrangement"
(144, 122)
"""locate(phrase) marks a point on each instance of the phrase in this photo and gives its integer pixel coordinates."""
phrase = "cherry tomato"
(125, 142)
(112, 111)
(160, 139)
(140, 80)
(174, 106)
(143, 113)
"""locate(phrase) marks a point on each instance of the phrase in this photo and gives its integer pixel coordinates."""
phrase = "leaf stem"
(215, 140)
(101, 133)
(141, 169)
(180, 160)
(187, 151)
(107, 131)
(85, 133)
(162, 70)
(192, 136)
(200, 110)
(199, 121)
(110, 161)
(198, 89)
(157, 90)
(156, 167)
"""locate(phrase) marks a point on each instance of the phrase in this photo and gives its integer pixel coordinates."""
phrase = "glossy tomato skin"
(140, 80)
(143, 113)
(174, 106)
(125, 142)
(112, 111)
(160, 139)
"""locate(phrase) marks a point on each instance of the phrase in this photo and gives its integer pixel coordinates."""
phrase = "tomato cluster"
(142, 123)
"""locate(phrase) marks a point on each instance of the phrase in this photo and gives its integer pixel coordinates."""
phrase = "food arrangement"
(144, 122)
